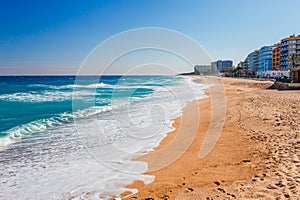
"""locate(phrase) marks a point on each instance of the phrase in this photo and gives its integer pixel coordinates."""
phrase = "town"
(280, 61)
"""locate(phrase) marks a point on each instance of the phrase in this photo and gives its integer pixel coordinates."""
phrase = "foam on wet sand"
(256, 157)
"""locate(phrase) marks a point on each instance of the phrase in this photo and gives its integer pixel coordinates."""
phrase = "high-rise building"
(245, 64)
(276, 55)
(222, 65)
(219, 65)
(265, 58)
(227, 64)
(241, 65)
(290, 46)
(204, 70)
(252, 59)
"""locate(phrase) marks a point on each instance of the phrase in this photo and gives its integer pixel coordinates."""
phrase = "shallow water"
(63, 137)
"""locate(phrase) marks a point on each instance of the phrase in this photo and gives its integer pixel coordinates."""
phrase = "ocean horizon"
(74, 137)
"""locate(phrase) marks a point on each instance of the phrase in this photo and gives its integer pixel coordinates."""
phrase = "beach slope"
(256, 156)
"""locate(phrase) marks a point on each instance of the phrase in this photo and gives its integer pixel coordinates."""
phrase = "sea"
(74, 137)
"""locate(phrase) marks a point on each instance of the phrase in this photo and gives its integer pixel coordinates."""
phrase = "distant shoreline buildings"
(215, 67)
(222, 65)
(282, 56)
(281, 60)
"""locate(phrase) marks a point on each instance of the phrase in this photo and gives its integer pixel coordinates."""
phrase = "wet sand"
(256, 157)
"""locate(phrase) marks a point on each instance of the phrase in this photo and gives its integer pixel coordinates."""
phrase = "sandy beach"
(256, 157)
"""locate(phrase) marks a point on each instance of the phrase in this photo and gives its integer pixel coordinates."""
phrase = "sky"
(55, 37)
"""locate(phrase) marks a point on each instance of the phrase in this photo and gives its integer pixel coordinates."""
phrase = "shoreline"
(241, 165)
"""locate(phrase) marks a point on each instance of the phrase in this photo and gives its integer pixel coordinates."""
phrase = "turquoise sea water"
(31, 104)
(65, 137)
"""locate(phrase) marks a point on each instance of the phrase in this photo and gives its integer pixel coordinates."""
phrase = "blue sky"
(40, 37)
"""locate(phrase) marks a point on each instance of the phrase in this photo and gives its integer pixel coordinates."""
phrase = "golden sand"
(256, 156)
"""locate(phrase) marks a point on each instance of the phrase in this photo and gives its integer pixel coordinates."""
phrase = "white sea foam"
(58, 95)
(91, 158)
(40, 125)
(55, 94)
(45, 96)
(95, 85)
(4, 142)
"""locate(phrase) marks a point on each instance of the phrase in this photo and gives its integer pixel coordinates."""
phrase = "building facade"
(219, 65)
(280, 57)
(215, 65)
(245, 64)
(240, 65)
(227, 64)
(204, 70)
(290, 46)
(276, 55)
(222, 65)
(264, 62)
(252, 59)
